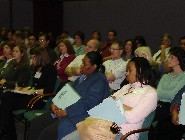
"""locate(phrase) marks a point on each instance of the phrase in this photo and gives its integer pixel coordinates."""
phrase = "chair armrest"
(135, 131)
(38, 98)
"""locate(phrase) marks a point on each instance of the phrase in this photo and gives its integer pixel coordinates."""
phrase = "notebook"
(109, 109)
(66, 97)
(182, 111)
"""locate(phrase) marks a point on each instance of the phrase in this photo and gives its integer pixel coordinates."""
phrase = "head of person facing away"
(144, 52)
(139, 70)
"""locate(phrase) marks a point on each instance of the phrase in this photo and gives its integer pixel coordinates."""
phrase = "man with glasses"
(115, 68)
(44, 41)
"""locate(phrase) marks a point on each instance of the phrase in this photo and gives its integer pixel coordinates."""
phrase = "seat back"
(147, 123)
(49, 101)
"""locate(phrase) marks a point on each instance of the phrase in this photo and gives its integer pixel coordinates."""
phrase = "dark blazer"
(47, 79)
(92, 90)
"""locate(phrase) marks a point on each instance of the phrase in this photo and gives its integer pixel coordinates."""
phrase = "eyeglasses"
(41, 40)
(112, 49)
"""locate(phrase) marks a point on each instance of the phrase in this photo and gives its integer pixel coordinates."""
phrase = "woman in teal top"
(169, 85)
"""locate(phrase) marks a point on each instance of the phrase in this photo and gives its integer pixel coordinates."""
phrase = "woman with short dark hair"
(169, 85)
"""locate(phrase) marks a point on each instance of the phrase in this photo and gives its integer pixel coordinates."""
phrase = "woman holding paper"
(139, 99)
(92, 87)
(43, 81)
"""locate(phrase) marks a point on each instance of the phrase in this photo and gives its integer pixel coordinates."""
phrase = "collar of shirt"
(64, 55)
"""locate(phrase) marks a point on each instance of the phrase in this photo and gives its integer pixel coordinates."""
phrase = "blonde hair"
(145, 52)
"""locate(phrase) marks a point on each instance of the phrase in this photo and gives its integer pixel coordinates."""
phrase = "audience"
(93, 89)
(73, 69)
(17, 74)
(138, 96)
(15, 71)
(43, 82)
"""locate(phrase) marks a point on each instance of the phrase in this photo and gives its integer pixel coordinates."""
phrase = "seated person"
(169, 85)
(139, 97)
(160, 58)
(182, 42)
(7, 49)
(115, 69)
(129, 49)
(66, 56)
(140, 41)
(45, 42)
(43, 82)
(145, 52)
(7, 55)
(78, 44)
(172, 130)
(92, 86)
(105, 52)
(15, 70)
(73, 69)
